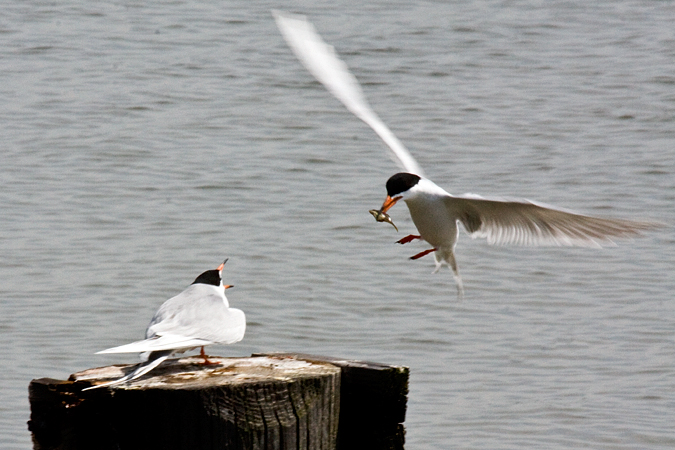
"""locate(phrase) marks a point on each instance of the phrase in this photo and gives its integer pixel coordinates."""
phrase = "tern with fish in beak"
(436, 213)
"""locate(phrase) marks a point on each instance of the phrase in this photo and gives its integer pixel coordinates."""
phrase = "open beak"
(389, 202)
(220, 267)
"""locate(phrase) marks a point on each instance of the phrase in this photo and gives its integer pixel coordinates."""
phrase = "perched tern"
(435, 212)
(198, 316)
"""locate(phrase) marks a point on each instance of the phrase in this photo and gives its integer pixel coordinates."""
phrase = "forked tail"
(155, 359)
(447, 256)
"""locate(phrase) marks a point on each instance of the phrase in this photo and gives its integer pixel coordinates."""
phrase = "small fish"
(382, 217)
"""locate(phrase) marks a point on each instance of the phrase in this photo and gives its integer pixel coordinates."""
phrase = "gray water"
(143, 142)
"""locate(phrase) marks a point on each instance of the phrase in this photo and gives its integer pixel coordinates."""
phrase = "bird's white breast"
(433, 221)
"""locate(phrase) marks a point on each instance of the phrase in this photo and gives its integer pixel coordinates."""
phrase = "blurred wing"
(321, 61)
(522, 222)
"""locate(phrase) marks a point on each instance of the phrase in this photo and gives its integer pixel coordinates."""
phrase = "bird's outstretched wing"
(321, 61)
(522, 222)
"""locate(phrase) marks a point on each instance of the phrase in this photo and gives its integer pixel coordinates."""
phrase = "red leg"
(408, 238)
(206, 362)
(425, 252)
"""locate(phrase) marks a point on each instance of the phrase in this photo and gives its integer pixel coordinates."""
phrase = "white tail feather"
(141, 370)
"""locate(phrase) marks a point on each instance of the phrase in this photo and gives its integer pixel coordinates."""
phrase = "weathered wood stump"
(274, 401)
(373, 401)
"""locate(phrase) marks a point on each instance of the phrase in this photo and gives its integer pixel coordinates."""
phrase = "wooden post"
(373, 400)
(274, 401)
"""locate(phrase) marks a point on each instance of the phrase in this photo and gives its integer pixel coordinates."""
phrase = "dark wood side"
(373, 403)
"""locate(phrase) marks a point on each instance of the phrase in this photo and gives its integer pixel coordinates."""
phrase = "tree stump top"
(269, 401)
(191, 373)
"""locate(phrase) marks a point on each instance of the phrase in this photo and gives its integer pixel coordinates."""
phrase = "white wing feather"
(197, 316)
(522, 222)
(227, 327)
(321, 61)
(159, 343)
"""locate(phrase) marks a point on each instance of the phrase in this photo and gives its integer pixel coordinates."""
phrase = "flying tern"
(436, 213)
(198, 316)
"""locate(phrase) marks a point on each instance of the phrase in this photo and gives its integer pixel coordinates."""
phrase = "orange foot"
(408, 238)
(425, 252)
(206, 362)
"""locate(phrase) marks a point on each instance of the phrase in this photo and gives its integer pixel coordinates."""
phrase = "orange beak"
(220, 267)
(227, 286)
(389, 202)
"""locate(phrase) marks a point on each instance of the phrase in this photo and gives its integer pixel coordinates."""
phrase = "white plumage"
(435, 212)
(198, 316)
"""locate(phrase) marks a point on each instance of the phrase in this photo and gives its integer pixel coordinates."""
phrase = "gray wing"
(522, 222)
(188, 319)
(321, 61)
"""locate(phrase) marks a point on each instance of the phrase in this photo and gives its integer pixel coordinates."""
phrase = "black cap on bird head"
(401, 182)
(211, 277)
